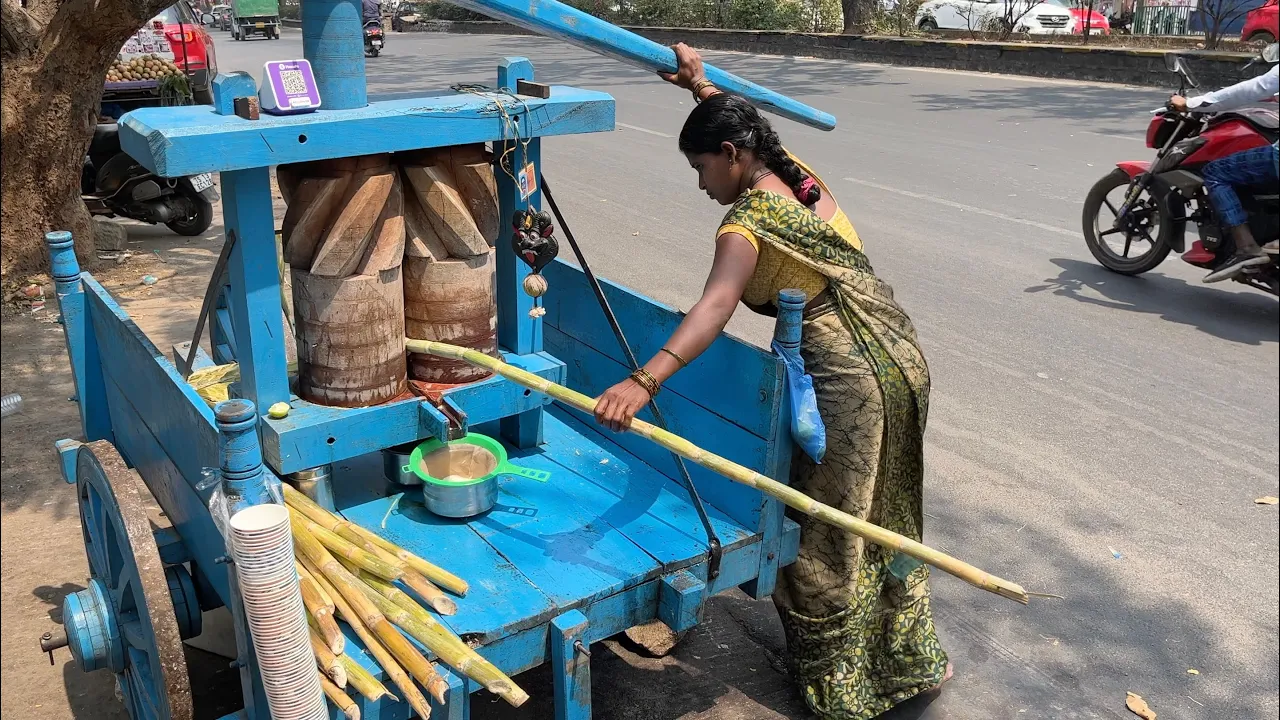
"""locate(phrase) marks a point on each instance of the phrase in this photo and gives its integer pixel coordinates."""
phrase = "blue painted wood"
(173, 142)
(732, 378)
(786, 333)
(254, 274)
(314, 435)
(651, 509)
(167, 431)
(566, 550)
(333, 42)
(245, 480)
(457, 699)
(67, 451)
(229, 86)
(591, 372)
(559, 21)
(221, 335)
(680, 600)
(169, 542)
(200, 361)
(501, 601)
(570, 666)
(516, 329)
(82, 346)
(187, 510)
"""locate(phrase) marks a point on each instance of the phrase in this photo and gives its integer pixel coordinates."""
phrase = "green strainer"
(460, 478)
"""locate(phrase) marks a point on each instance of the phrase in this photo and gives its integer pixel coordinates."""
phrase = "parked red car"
(1098, 25)
(175, 33)
(1260, 25)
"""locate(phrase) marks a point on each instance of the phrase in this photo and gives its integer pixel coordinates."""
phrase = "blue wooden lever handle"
(557, 20)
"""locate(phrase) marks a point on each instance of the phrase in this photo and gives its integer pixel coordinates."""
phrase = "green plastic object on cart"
(488, 455)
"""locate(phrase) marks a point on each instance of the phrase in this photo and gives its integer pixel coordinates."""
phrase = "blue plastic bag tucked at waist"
(807, 428)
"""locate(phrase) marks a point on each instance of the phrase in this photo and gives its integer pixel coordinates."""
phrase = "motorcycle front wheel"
(1134, 246)
(197, 222)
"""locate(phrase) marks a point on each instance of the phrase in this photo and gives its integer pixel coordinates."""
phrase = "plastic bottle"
(10, 404)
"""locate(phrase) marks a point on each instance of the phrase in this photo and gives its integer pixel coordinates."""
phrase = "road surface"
(1097, 438)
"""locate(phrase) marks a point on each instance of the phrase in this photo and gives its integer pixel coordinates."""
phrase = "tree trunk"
(55, 58)
(857, 15)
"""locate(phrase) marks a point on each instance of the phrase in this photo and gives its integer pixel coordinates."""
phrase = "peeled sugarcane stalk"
(737, 473)
(339, 698)
(351, 531)
(320, 608)
(448, 647)
(356, 594)
(363, 681)
(346, 549)
(384, 658)
(417, 582)
(327, 660)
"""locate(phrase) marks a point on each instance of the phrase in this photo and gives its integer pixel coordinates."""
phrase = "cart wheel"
(125, 620)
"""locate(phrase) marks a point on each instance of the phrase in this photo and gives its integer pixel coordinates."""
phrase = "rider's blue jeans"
(1259, 166)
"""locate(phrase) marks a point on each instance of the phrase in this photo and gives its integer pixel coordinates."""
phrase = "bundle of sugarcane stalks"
(347, 572)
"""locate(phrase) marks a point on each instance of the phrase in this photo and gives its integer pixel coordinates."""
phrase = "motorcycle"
(1159, 198)
(373, 38)
(112, 183)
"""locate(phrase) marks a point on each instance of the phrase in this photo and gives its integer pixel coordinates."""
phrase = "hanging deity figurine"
(534, 241)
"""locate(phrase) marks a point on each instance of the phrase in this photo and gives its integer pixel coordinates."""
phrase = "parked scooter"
(373, 38)
(112, 183)
(1132, 231)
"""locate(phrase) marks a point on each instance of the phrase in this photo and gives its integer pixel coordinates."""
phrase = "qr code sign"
(293, 82)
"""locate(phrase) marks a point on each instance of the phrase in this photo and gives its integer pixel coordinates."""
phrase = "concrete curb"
(1130, 66)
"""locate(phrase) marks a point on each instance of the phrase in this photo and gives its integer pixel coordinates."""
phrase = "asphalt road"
(1095, 437)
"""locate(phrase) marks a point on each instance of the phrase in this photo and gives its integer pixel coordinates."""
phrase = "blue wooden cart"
(612, 541)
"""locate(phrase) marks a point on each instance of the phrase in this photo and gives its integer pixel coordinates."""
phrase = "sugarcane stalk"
(320, 610)
(449, 648)
(355, 593)
(326, 659)
(339, 698)
(737, 473)
(380, 654)
(353, 532)
(427, 590)
(346, 549)
(363, 681)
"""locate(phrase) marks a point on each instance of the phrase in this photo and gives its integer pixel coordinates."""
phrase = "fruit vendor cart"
(609, 541)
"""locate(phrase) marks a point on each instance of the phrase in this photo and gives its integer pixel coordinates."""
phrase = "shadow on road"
(1247, 318)
(1111, 110)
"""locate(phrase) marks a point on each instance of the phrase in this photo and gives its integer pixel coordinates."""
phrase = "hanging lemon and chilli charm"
(534, 241)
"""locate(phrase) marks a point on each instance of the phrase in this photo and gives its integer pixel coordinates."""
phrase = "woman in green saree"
(857, 618)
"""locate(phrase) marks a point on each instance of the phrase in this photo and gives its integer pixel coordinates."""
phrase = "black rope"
(713, 542)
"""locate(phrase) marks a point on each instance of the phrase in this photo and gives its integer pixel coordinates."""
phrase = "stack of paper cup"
(262, 546)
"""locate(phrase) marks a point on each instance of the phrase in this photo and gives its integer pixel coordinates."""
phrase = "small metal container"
(460, 478)
(461, 501)
(395, 465)
(316, 484)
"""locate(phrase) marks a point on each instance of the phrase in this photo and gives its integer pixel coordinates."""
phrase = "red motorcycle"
(1133, 230)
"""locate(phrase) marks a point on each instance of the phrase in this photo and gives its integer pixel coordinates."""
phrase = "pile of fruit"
(145, 67)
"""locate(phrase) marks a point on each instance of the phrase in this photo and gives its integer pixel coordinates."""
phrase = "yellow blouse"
(775, 271)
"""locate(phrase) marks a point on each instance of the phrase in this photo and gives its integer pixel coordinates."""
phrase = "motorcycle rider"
(1259, 166)
(372, 11)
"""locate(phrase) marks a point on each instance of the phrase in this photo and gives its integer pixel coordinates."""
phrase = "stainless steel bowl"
(395, 465)
(316, 484)
(461, 501)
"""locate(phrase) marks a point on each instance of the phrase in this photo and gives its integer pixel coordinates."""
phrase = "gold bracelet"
(699, 86)
(683, 363)
(646, 380)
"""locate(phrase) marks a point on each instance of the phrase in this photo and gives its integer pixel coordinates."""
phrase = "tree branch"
(17, 30)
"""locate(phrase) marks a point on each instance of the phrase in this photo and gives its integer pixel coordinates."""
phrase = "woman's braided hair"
(727, 118)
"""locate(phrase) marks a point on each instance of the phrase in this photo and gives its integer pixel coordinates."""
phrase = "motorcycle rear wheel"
(199, 221)
(1098, 217)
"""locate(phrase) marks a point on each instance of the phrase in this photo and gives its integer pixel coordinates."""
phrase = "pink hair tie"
(809, 192)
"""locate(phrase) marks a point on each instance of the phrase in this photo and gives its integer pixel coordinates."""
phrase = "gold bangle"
(683, 363)
(646, 380)
(699, 86)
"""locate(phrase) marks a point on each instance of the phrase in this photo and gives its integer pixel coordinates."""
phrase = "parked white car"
(1028, 16)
